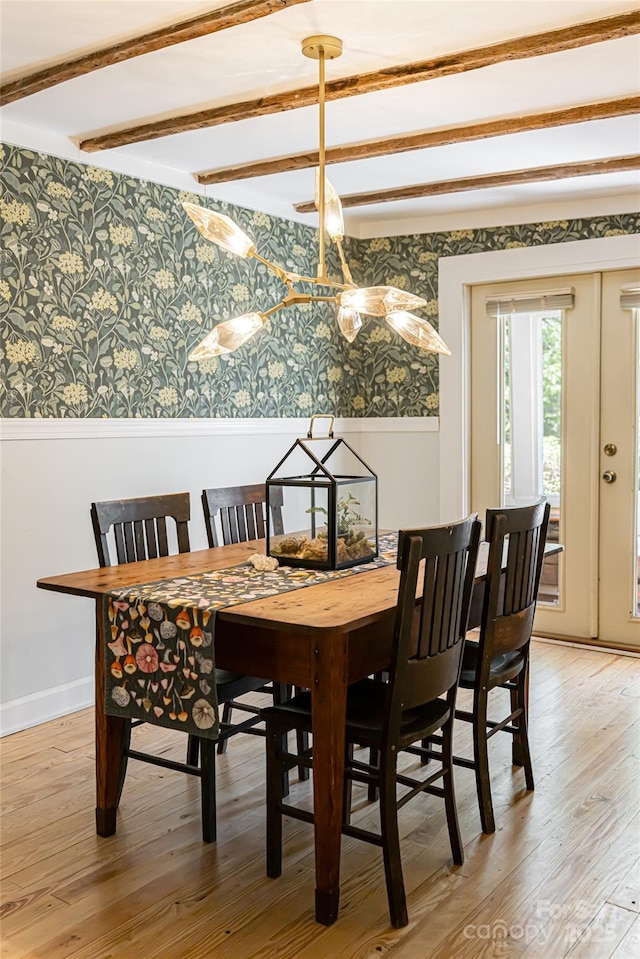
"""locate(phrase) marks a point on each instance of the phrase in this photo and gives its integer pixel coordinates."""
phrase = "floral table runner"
(160, 663)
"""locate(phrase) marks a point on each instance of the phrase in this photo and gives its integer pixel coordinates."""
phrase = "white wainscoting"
(53, 469)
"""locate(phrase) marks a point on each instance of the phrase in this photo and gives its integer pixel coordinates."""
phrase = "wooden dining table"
(321, 637)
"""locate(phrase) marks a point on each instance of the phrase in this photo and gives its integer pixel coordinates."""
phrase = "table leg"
(111, 739)
(329, 698)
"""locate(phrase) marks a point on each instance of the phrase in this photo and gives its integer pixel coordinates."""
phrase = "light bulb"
(333, 218)
(350, 323)
(417, 332)
(228, 336)
(379, 300)
(220, 229)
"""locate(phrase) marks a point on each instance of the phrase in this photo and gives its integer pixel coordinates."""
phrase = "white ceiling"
(265, 57)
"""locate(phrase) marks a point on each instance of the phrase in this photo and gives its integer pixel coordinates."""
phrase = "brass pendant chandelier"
(351, 301)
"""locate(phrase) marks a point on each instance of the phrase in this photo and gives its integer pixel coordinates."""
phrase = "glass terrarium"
(329, 507)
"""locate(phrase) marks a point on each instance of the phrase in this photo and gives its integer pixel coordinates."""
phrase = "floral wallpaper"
(106, 286)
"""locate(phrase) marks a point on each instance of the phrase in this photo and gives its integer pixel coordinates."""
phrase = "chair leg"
(481, 760)
(281, 693)
(453, 825)
(208, 789)
(391, 845)
(347, 788)
(374, 760)
(516, 746)
(302, 744)
(124, 758)
(425, 744)
(522, 723)
(193, 750)
(226, 718)
(275, 770)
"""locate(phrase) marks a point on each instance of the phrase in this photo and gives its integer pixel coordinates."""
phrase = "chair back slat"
(138, 533)
(129, 544)
(250, 520)
(235, 514)
(436, 612)
(426, 631)
(438, 566)
(519, 534)
(455, 599)
(232, 521)
(150, 533)
(161, 532)
(139, 527)
(241, 523)
(258, 523)
(121, 550)
(229, 535)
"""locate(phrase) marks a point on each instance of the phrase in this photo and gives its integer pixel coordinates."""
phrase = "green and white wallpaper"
(106, 286)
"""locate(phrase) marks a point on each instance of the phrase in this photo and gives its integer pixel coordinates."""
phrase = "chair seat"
(503, 667)
(230, 685)
(365, 713)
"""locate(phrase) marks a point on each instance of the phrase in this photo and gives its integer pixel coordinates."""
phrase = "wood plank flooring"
(560, 877)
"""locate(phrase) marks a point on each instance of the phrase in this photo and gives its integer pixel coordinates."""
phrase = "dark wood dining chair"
(501, 657)
(138, 530)
(235, 514)
(418, 699)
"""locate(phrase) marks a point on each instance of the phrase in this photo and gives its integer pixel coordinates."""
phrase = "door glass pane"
(532, 422)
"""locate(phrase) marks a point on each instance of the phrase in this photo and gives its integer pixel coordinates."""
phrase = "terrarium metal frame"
(321, 477)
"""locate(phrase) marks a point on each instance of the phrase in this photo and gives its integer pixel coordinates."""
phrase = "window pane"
(532, 421)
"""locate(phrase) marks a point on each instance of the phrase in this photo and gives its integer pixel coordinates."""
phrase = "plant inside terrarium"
(346, 514)
(352, 543)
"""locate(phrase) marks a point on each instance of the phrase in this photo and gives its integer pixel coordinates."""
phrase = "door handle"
(609, 476)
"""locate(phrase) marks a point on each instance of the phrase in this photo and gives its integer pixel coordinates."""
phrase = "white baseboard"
(583, 644)
(37, 708)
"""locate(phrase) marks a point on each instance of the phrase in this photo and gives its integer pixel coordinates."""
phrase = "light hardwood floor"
(560, 877)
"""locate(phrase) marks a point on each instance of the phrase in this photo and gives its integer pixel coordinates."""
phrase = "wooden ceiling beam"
(237, 13)
(431, 138)
(517, 48)
(563, 171)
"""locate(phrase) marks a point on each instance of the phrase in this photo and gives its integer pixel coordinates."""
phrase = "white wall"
(53, 469)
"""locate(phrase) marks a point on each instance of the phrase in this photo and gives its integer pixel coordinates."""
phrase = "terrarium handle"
(321, 416)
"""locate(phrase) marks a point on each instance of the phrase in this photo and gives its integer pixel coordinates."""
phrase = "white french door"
(619, 527)
(554, 410)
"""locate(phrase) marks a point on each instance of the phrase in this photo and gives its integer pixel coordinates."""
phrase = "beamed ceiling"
(437, 108)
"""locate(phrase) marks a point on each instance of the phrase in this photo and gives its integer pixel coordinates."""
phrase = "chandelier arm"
(290, 278)
(274, 309)
(298, 278)
(279, 272)
(346, 272)
(325, 281)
